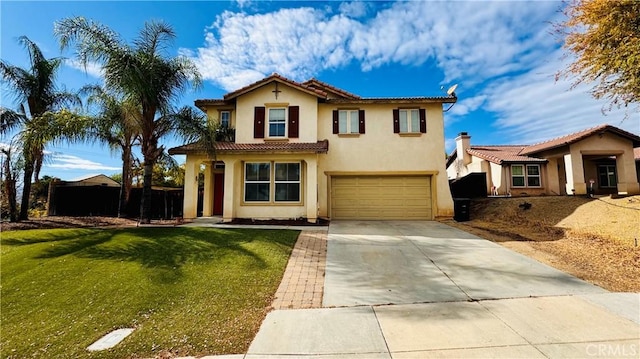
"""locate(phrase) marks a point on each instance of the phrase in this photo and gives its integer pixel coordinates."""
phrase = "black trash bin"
(461, 209)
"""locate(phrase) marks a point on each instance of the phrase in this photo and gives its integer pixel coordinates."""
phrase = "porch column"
(627, 177)
(190, 205)
(207, 198)
(311, 196)
(552, 177)
(575, 173)
(230, 168)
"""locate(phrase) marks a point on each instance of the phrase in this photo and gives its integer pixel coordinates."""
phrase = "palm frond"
(10, 120)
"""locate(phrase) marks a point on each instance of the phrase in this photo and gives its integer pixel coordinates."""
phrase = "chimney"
(463, 143)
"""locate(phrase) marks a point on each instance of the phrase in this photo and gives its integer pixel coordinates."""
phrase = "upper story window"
(410, 120)
(277, 122)
(348, 121)
(225, 118)
(525, 176)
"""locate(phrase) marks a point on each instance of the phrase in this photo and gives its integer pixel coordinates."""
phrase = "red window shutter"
(396, 121)
(361, 121)
(258, 122)
(423, 120)
(336, 125)
(294, 119)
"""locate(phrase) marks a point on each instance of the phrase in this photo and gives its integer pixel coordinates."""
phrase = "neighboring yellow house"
(599, 159)
(310, 150)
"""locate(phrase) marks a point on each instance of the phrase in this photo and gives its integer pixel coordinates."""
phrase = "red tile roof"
(278, 78)
(575, 137)
(636, 154)
(267, 147)
(318, 88)
(315, 83)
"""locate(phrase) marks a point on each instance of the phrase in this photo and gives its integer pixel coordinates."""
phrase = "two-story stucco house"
(597, 160)
(311, 150)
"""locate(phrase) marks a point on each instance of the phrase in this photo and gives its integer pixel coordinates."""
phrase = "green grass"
(187, 291)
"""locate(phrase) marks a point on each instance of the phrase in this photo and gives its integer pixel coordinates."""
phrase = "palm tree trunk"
(26, 191)
(145, 205)
(10, 189)
(125, 186)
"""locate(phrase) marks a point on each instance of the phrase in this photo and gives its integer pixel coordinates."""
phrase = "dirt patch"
(67, 222)
(593, 239)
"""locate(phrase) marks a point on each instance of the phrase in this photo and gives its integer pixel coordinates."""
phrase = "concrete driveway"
(423, 289)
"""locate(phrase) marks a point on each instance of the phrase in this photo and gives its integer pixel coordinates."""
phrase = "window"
(409, 121)
(257, 182)
(533, 176)
(277, 122)
(287, 180)
(348, 121)
(525, 176)
(607, 176)
(225, 118)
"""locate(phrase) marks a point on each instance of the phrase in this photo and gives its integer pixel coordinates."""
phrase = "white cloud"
(534, 107)
(503, 48)
(91, 68)
(470, 41)
(354, 9)
(70, 162)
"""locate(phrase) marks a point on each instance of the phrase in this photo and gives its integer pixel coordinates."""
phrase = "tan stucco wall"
(381, 150)
(264, 96)
(609, 144)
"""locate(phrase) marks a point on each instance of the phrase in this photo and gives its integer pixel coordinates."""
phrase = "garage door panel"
(381, 197)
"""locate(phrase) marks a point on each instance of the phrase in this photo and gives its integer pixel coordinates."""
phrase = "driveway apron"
(417, 289)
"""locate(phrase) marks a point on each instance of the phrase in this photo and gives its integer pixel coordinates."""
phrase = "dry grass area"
(593, 239)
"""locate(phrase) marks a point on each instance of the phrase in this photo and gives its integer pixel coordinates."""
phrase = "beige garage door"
(381, 197)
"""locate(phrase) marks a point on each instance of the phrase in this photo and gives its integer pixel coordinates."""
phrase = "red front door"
(218, 193)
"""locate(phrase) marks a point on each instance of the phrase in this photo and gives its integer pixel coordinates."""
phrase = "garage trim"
(432, 174)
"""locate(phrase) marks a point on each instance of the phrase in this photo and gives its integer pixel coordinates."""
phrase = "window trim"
(272, 184)
(285, 122)
(525, 175)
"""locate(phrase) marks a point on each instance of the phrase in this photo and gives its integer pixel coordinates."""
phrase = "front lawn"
(187, 291)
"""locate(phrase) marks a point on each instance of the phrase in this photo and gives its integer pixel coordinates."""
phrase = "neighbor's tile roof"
(577, 136)
(267, 147)
(636, 153)
(502, 154)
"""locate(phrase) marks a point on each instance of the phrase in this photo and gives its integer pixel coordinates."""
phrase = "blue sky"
(502, 54)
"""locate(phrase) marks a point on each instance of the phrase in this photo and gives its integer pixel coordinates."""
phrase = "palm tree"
(141, 73)
(118, 125)
(35, 87)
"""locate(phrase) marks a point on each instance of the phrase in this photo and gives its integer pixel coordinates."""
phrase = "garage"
(381, 197)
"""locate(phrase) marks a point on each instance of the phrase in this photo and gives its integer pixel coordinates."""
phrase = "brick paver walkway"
(303, 280)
